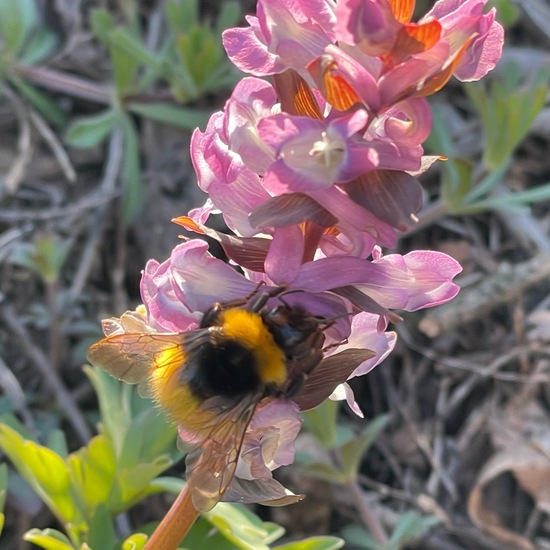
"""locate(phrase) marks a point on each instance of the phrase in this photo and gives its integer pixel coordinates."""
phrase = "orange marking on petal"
(295, 95)
(188, 223)
(339, 93)
(402, 9)
(413, 39)
(427, 34)
(304, 102)
(334, 87)
(437, 81)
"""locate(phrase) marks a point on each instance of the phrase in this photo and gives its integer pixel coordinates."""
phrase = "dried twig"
(66, 403)
(19, 165)
(106, 187)
(476, 302)
(55, 145)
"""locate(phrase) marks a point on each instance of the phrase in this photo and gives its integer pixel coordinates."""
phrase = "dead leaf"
(521, 435)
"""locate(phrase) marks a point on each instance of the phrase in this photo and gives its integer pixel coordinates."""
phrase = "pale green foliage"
(341, 466)
(507, 108)
(46, 256)
(410, 526)
(120, 466)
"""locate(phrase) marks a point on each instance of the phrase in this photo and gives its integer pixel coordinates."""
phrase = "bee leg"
(261, 300)
(294, 386)
(211, 315)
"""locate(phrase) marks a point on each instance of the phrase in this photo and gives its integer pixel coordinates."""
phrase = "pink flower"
(312, 175)
(366, 333)
(179, 290)
(272, 174)
(464, 22)
(285, 34)
(268, 444)
(417, 59)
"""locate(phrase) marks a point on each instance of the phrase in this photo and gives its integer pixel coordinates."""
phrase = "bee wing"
(131, 357)
(211, 465)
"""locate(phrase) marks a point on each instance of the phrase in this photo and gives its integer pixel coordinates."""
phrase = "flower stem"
(175, 524)
(370, 520)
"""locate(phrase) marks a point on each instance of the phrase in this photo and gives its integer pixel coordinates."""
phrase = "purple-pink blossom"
(312, 175)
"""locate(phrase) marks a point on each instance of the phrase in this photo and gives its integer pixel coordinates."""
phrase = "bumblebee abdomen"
(224, 368)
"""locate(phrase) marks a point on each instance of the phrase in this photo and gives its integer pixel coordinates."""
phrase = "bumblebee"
(210, 380)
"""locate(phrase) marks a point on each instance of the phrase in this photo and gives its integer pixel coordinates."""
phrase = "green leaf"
(45, 257)
(16, 22)
(102, 23)
(41, 44)
(487, 184)
(49, 539)
(114, 411)
(229, 16)
(169, 484)
(353, 451)
(101, 534)
(91, 131)
(313, 543)
(439, 142)
(358, 537)
(3, 492)
(57, 442)
(199, 53)
(150, 435)
(319, 470)
(3, 484)
(135, 542)
(125, 66)
(132, 484)
(507, 110)
(321, 422)
(189, 119)
(410, 526)
(93, 471)
(133, 194)
(123, 40)
(182, 15)
(44, 470)
(240, 526)
(519, 198)
(41, 102)
(507, 11)
(456, 183)
(12, 422)
(203, 535)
